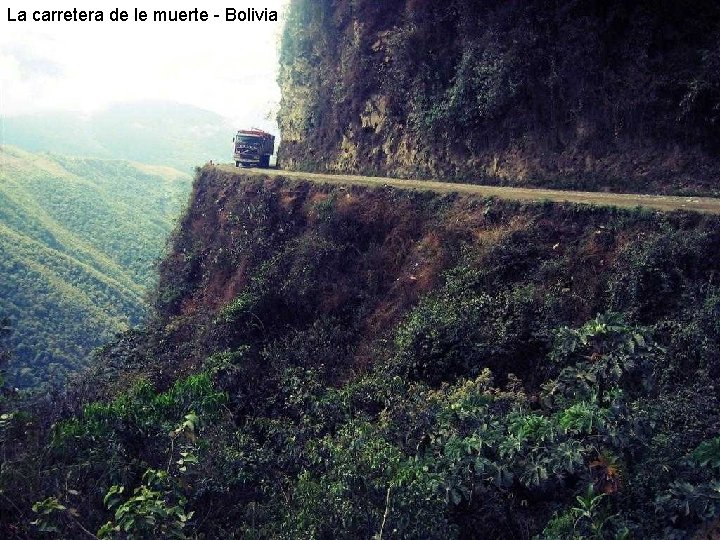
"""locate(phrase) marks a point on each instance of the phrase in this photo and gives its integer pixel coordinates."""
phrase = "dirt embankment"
(278, 251)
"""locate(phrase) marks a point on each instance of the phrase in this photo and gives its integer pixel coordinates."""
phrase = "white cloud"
(227, 67)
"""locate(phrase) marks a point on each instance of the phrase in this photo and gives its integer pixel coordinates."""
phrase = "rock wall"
(583, 94)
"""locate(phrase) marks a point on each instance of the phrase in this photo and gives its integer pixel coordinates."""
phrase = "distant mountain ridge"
(153, 132)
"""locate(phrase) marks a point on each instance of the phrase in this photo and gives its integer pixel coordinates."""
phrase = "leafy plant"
(48, 510)
(153, 510)
(590, 514)
(708, 453)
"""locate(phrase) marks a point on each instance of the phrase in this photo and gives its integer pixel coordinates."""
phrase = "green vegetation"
(332, 363)
(78, 244)
(583, 95)
(324, 361)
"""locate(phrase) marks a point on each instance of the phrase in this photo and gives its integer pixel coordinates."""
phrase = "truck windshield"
(245, 139)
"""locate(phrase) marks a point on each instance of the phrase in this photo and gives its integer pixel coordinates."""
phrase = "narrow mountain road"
(705, 205)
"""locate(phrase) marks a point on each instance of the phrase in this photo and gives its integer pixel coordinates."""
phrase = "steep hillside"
(154, 132)
(588, 95)
(344, 362)
(79, 239)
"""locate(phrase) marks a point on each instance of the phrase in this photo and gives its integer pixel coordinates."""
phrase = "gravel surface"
(706, 205)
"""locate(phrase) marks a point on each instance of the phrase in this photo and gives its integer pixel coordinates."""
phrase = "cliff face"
(331, 362)
(257, 261)
(351, 330)
(585, 94)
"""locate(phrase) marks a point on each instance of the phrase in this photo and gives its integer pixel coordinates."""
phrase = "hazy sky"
(226, 67)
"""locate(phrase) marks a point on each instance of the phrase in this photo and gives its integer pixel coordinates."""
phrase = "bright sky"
(226, 67)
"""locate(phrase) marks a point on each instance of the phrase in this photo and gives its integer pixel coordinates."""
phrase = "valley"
(79, 239)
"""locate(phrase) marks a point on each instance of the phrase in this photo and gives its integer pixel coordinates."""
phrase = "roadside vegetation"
(352, 363)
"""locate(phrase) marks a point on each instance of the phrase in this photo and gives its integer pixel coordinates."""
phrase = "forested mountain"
(332, 361)
(154, 132)
(78, 239)
(341, 361)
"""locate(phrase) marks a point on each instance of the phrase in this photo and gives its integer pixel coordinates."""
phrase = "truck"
(253, 148)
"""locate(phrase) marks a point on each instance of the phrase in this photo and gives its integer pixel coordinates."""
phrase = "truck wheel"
(265, 162)
(237, 163)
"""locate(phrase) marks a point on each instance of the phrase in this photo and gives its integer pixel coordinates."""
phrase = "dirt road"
(704, 205)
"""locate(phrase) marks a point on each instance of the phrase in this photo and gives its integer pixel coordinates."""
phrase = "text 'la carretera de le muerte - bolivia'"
(139, 15)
